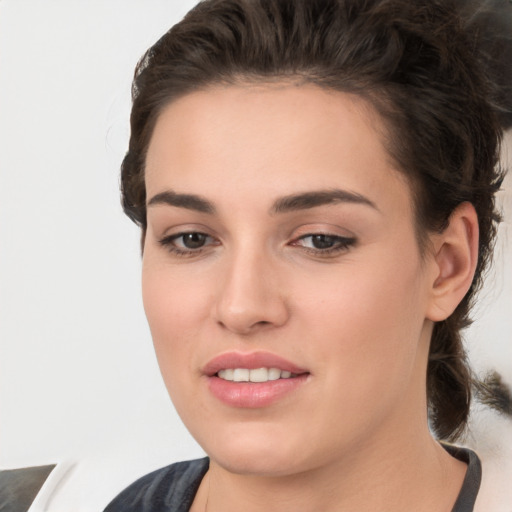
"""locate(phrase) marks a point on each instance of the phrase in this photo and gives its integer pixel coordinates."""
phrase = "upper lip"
(251, 361)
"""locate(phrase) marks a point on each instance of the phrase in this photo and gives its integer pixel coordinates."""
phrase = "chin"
(258, 464)
(256, 450)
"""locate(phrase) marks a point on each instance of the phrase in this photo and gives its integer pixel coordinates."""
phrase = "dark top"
(173, 488)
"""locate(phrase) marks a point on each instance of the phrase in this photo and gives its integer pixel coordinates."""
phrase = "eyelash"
(341, 244)
(169, 243)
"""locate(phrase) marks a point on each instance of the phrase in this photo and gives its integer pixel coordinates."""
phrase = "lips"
(252, 380)
(250, 361)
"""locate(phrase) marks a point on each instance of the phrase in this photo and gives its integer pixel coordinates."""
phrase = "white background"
(78, 379)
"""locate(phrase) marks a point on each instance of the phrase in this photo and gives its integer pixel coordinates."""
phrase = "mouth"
(254, 375)
(253, 380)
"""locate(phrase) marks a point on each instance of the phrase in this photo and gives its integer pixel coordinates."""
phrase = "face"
(281, 249)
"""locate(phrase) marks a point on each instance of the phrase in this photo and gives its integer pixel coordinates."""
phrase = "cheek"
(369, 317)
(175, 307)
(366, 328)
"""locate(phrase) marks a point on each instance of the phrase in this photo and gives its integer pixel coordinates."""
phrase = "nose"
(250, 296)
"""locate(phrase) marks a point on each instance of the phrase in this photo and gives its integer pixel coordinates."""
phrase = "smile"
(253, 380)
(254, 375)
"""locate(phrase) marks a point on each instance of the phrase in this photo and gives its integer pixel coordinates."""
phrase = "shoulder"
(171, 488)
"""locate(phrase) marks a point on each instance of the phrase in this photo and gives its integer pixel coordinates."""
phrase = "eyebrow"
(294, 202)
(188, 201)
(313, 199)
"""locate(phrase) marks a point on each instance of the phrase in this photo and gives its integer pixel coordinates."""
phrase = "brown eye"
(324, 241)
(188, 243)
(324, 244)
(192, 240)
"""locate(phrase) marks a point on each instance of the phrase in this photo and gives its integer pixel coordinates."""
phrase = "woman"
(315, 186)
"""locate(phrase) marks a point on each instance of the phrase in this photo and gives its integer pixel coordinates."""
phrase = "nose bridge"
(249, 296)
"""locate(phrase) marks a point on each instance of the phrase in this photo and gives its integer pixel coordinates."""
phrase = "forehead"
(277, 138)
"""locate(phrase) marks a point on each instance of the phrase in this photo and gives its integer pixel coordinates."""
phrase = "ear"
(454, 262)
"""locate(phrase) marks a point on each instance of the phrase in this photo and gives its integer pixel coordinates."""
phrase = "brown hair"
(418, 66)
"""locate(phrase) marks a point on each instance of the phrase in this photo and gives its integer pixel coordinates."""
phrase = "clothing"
(173, 488)
(169, 489)
(469, 490)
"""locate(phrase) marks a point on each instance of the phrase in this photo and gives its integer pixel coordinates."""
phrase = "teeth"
(227, 374)
(257, 375)
(241, 375)
(274, 373)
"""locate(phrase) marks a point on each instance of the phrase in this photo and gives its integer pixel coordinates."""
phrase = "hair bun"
(489, 25)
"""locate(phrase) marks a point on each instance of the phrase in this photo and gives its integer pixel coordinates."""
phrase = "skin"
(354, 436)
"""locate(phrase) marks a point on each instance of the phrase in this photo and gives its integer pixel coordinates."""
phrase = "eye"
(324, 244)
(190, 240)
(188, 243)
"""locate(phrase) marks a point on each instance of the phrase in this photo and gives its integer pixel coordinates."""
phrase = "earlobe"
(455, 259)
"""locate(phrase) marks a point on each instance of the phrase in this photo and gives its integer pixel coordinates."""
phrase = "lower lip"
(253, 395)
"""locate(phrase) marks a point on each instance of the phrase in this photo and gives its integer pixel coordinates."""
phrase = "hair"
(419, 64)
